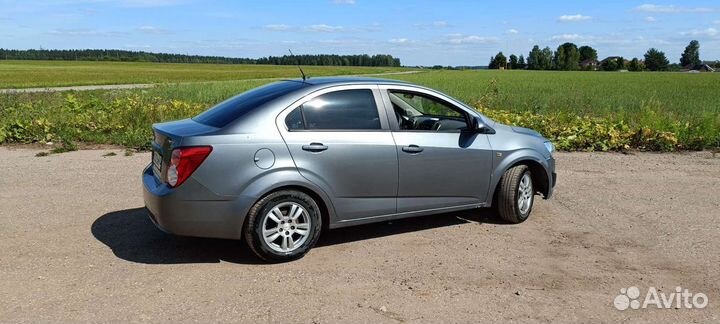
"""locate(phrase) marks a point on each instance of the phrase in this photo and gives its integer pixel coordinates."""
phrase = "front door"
(340, 141)
(440, 165)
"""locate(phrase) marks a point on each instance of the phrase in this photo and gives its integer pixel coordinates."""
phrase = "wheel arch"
(253, 235)
(538, 171)
(321, 202)
(281, 179)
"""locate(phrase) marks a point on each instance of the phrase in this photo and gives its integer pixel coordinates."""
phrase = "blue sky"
(419, 32)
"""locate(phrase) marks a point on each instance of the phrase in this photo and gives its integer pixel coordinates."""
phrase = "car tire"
(271, 232)
(514, 199)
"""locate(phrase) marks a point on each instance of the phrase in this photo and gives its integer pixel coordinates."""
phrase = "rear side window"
(339, 110)
(294, 120)
(235, 107)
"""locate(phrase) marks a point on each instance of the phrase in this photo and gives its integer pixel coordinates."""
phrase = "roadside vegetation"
(577, 110)
(594, 111)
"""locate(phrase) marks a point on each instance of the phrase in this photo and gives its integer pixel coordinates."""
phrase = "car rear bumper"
(200, 214)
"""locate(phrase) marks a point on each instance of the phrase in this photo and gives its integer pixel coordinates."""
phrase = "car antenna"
(298, 66)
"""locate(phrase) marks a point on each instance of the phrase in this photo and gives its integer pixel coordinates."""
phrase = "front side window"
(421, 112)
(338, 110)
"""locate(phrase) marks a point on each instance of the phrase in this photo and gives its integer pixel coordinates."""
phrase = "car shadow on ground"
(132, 236)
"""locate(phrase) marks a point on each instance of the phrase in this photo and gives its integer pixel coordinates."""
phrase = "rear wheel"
(283, 226)
(515, 195)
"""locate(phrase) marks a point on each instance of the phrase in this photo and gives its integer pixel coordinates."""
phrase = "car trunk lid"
(169, 135)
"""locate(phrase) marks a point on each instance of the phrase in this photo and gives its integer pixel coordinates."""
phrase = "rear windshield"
(235, 107)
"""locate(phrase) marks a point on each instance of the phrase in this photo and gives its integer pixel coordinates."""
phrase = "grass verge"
(579, 111)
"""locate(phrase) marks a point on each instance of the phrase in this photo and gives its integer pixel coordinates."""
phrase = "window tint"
(235, 107)
(426, 105)
(345, 109)
(294, 120)
(418, 112)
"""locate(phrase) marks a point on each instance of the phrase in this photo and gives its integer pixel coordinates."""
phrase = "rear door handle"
(315, 147)
(412, 149)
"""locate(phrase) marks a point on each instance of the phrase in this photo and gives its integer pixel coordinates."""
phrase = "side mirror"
(479, 127)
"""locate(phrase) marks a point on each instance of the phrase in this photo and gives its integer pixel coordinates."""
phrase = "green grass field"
(26, 74)
(586, 93)
(577, 110)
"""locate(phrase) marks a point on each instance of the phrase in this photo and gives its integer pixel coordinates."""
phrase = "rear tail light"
(184, 161)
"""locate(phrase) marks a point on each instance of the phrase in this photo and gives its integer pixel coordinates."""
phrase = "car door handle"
(315, 147)
(412, 149)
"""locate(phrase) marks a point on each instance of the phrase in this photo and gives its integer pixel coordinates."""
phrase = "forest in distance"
(111, 55)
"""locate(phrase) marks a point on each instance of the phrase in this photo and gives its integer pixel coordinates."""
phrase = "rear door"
(440, 166)
(340, 140)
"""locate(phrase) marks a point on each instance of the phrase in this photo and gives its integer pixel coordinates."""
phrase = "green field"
(577, 110)
(26, 74)
(603, 94)
(684, 104)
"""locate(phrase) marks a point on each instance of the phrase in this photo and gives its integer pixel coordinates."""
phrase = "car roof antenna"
(298, 66)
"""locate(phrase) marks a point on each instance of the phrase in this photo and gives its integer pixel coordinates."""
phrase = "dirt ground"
(75, 246)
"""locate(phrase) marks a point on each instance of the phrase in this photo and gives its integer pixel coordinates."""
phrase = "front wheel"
(283, 226)
(515, 195)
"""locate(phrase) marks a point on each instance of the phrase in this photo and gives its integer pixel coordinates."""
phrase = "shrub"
(575, 133)
(126, 120)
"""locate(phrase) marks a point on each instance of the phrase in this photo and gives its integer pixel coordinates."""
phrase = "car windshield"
(235, 107)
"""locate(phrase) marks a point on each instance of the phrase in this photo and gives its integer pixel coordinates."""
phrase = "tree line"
(570, 57)
(335, 60)
(140, 56)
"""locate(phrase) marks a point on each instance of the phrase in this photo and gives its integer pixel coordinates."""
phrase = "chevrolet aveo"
(277, 164)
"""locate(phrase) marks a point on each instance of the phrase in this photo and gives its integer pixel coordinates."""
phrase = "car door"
(441, 165)
(340, 140)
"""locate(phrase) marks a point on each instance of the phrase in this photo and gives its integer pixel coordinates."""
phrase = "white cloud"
(399, 41)
(669, 9)
(220, 14)
(716, 22)
(85, 4)
(374, 27)
(513, 31)
(344, 42)
(344, 2)
(650, 19)
(459, 39)
(709, 32)
(82, 32)
(152, 30)
(145, 3)
(323, 28)
(440, 24)
(574, 18)
(568, 37)
(317, 28)
(277, 27)
(135, 46)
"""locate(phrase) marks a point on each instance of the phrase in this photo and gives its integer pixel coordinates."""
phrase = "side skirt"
(382, 218)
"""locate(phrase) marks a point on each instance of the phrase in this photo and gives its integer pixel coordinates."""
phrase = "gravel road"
(75, 246)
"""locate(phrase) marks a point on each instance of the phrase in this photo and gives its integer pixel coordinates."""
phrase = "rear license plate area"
(156, 163)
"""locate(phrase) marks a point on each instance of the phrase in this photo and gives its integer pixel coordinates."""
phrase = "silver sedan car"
(278, 164)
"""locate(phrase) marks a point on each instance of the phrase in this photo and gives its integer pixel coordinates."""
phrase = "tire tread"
(507, 194)
(254, 216)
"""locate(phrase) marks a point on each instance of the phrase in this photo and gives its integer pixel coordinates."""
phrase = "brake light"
(184, 161)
